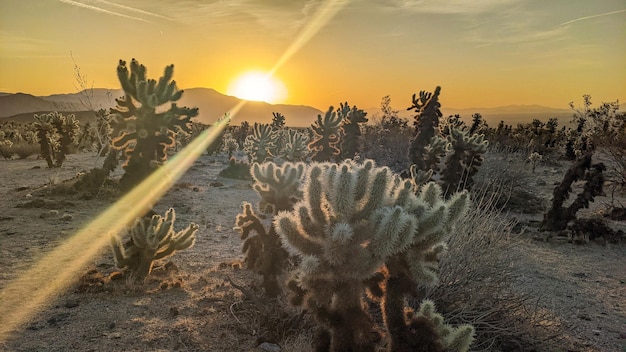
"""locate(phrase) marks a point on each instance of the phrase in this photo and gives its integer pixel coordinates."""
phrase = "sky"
(483, 53)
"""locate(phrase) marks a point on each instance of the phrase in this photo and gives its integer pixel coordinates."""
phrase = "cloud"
(102, 10)
(593, 16)
(447, 6)
(132, 9)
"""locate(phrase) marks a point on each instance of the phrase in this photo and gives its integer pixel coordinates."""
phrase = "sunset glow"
(258, 86)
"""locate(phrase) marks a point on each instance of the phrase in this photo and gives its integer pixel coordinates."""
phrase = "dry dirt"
(189, 304)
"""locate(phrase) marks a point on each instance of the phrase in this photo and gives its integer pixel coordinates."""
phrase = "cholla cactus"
(352, 118)
(463, 162)
(353, 220)
(278, 187)
(295, 148)
(534, 158)
(143, 133)
(230, 145)
(452, 339)
(426, 121)
(67, 127)
(47, 136)
(150, 240)
(261, 144)
(327, 136)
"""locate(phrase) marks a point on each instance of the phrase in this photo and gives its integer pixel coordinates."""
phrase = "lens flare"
(40, 285)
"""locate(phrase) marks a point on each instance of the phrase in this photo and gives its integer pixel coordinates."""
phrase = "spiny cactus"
(67, 127)
(230, 145)
(426, 121)
(278, 187)
(295, 148)
(261, 144)
(352, 119)
(47, 136)
(145, 134)
(463, 161)
(327, 136)
(149, 240)
(559, 216)
(354, 219)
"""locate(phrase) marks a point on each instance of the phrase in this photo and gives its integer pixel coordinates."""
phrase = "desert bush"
(476, 281)
(357, 222)
(145, 134)
(148, 240)
(236, 169)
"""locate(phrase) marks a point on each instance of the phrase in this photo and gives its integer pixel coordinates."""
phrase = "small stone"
(216, 184)
(540, 182)
(584, 317)
(174, 312)
(67, 217)
(596, 332)
(115, 335)
(71, 303)
(269, 347)
(112, 325)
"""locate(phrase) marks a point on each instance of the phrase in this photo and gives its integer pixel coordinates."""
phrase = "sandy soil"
(189, 302)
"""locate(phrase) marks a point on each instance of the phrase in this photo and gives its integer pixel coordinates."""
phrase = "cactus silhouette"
(143, 133)
(327, 136)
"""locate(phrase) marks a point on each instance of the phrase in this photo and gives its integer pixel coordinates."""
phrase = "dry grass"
(476, 283)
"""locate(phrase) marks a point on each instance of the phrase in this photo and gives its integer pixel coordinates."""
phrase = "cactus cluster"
(352, 119)
(278, 187)
(353, 221)
(261, 144)
(466, 155)
(149, 240)
(295, 147)
(56, 133)
(147, 119)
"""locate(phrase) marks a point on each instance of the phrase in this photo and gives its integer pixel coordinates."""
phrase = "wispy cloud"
(132, 9)
(447, 6)
(102, 10)
(593, 16)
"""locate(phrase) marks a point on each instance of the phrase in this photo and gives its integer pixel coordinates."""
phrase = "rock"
(269, 347)
(71, 303)
(540, 182)
(67, 217)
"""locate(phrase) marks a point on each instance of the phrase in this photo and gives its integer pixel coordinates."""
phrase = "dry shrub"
(24, 150)
(507, 181)
(476, 283)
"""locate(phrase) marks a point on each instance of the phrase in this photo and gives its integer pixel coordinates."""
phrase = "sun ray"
(39, 286)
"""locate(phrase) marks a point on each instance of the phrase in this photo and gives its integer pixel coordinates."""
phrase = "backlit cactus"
(149, 240)
(278, 187)
(354, 220)
(295, 148)
(143, 133)
(352, 119)
(466, 155)
(47, 136)
(261, 144)
(327, 136)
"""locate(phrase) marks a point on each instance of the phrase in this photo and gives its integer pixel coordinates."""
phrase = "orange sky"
(484, 53)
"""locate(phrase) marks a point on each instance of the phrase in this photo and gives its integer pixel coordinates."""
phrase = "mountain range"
(213, 105)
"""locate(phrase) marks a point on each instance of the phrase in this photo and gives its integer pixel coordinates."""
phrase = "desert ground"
(202, 300)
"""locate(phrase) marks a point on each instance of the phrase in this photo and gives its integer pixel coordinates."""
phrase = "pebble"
(269, 347)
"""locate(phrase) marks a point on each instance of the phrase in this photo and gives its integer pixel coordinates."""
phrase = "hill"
(212, 105)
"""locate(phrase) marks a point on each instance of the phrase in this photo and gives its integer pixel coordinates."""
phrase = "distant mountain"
(19, 103)
(211, 103)
(510, 114)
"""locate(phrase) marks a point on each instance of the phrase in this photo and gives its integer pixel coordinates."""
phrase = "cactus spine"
(278, 187)
(327, 136)
(352, 221)
(145, 134)
(150, 240)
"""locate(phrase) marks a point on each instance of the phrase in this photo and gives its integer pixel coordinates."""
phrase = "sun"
(258, 86)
